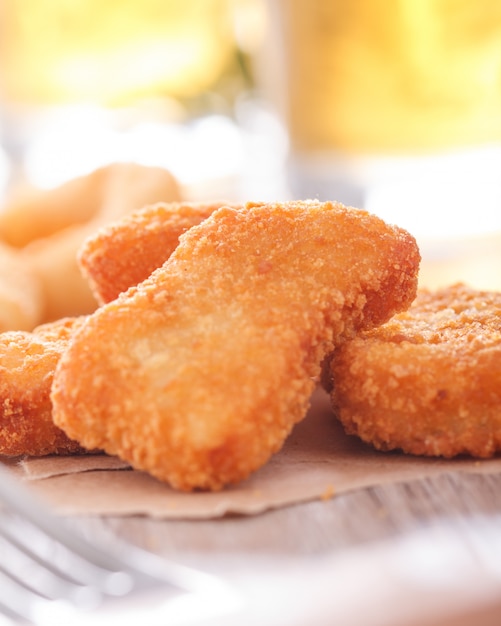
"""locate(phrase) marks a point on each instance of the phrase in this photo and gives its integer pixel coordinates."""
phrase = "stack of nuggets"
(199, 373)
(214, 325)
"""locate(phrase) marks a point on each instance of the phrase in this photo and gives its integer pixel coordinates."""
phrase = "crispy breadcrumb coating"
(198, 374)
(124, 253)
(427, 382)
(27, 363)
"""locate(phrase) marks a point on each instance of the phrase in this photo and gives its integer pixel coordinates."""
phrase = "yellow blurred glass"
(376, 76)
(111, 52)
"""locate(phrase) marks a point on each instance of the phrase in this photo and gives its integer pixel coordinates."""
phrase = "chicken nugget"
(428, 382)
(199, 373)
(124, 253)
(27, 363)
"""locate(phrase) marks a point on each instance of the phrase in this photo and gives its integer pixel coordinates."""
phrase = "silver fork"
(50, 574)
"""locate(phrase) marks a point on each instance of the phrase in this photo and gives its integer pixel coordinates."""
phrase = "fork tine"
(46, 561)
(15, 498)
(15, 604)
(68, 561)
(36, 573)
(146, 566)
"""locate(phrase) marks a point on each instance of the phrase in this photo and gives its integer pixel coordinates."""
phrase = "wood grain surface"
(356, 537)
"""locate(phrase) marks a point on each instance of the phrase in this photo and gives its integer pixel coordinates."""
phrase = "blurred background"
(84, 83)
(389, 105)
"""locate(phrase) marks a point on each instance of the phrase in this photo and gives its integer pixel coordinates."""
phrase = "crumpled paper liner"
(318, 461)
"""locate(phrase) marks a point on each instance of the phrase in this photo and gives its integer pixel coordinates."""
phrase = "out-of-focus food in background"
(40, 280)
(99, 102)
(21, 301)
(389, 105)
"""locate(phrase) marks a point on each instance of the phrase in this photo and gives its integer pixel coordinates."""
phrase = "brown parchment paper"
(318, 461)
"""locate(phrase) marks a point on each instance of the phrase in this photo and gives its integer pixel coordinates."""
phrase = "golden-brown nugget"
(27, 364)
(199, 373)
(427, 382)
(124, 253)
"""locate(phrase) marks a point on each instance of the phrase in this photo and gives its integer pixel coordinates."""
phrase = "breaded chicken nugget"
(27, 363)
(124, 253)
(427, 382)
(198, 374)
